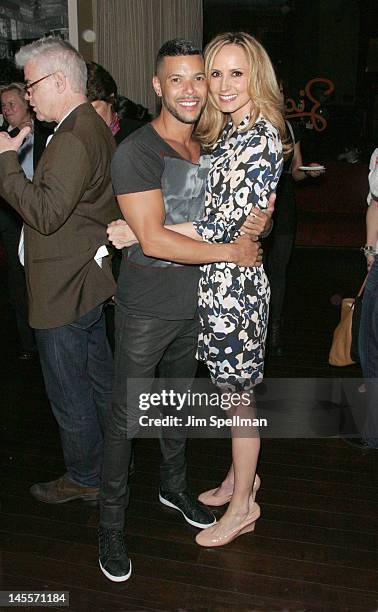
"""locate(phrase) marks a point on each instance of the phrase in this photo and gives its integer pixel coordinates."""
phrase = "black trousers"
(276, 265)
(10, 229)
(143, 347)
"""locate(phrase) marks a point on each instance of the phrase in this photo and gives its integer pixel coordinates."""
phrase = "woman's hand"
(314, 173)
(120, 235)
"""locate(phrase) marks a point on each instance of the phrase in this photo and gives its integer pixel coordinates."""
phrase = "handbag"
(344, 348)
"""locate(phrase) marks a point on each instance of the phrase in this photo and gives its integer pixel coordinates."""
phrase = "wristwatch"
(369, 250)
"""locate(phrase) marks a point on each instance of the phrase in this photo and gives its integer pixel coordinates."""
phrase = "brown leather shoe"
(62, 490)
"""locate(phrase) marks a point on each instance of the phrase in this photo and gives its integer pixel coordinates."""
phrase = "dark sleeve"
(296, 131)
(41, 134)
(136, 168)
(127, 127)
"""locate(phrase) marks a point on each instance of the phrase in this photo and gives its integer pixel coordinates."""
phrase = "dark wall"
(335, 39)
(308, 38)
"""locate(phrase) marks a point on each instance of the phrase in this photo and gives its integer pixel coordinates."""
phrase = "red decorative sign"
(293, 110)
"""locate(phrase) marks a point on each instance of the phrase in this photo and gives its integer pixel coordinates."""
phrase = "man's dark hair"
(100, 84)
(177, 46)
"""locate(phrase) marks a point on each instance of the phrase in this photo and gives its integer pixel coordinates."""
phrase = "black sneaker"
(113, 559)
(193, 512)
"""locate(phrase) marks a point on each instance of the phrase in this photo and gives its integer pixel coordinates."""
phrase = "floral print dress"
(234, 300)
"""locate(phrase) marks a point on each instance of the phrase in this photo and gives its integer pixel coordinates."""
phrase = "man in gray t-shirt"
(149, 286)
(159, 176)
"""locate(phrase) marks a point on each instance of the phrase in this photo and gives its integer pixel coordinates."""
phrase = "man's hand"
(120, 234)
(248, 253)
(13, 144)
(259, 221)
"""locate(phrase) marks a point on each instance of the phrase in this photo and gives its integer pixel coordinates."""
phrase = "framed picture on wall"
(22, 21)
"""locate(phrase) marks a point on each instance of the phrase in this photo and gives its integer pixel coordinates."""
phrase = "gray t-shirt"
(148, 286)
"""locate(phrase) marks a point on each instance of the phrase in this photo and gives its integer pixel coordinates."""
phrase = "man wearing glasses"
(66, 209)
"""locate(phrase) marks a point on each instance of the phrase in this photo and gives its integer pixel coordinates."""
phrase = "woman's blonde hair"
(263, 88)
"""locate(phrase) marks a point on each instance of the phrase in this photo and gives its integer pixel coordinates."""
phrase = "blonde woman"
(242, 123)
(242, 127)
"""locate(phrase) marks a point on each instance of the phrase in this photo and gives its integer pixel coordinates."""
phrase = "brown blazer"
(66, 209)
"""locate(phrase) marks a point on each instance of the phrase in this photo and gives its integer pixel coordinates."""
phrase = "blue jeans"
(77, 366)
(368, 349)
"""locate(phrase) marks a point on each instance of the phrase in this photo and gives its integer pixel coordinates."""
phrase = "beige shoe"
(208, 537)
(210, 499)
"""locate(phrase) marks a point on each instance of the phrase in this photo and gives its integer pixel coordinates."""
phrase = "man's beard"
(175, 113)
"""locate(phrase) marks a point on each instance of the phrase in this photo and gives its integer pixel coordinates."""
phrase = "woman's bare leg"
(245, 453)
(227, 485)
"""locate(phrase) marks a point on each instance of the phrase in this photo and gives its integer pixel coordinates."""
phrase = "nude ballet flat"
(208, 537)
(210, 499)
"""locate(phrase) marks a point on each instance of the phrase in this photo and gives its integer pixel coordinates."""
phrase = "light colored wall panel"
(129, 34)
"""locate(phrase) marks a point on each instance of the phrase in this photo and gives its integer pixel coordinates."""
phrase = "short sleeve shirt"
(148, 286)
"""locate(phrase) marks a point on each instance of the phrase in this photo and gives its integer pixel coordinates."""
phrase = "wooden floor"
(315, 547)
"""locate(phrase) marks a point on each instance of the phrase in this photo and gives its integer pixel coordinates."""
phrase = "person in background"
(66, 209)
(368, 337)
(282, 237)
(18, 114)
(102, 93)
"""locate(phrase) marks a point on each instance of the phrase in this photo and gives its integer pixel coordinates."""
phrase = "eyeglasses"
(29, 86)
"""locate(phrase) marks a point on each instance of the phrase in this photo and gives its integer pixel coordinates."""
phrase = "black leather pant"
(143, 345)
